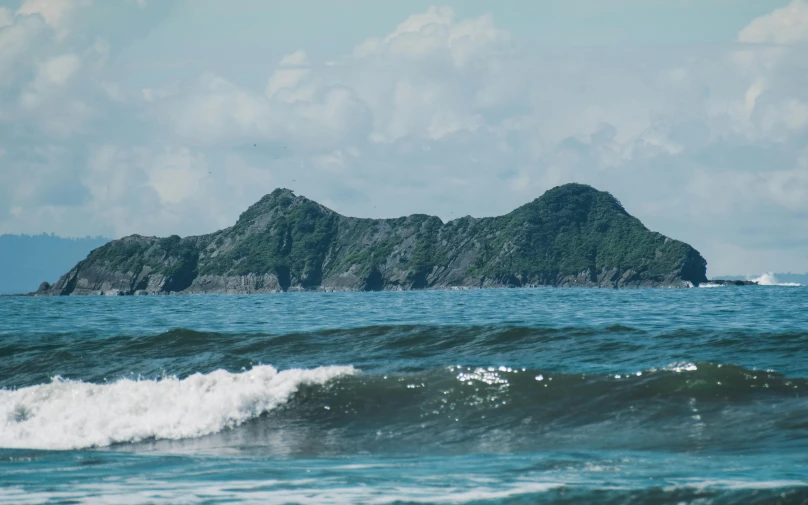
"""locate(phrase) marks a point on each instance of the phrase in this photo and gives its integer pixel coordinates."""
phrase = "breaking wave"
(769, 279)
(467, 409)
(66, 414)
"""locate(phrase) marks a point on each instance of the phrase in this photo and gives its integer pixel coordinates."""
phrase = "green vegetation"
(372, 255)
(172, 257)
(120, 255)
(296, 241)
(426, 255)
(571, 232)
(573, 229)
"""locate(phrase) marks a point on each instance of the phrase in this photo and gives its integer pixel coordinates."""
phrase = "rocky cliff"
(573, 235)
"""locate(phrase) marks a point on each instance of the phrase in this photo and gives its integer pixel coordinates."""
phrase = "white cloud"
(787, 25)
(100, 50)
(296, 58)
(449, 104)
(142, 190)
(52, 11)
(111, 176)
(177, 175)
(442, 115)
(56, 13)
(5, 17)
(51, 75)
(789, 188)
(386, 81)
(113, 91)
(148, 94)
(751, 96)
(216, 110)
(783, 118)
(16, 41)
(435, 34)
(292, 69)
(47, 79)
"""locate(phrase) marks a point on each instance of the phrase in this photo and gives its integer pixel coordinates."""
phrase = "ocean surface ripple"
(489, 396)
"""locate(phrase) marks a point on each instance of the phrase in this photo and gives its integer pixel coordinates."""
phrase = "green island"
(573, 235)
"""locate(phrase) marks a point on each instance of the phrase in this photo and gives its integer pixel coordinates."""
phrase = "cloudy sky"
(172, 116)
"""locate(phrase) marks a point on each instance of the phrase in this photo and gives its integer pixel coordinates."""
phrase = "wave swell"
(66, 414)
(472, 410)
(456, 409)
(385, 348)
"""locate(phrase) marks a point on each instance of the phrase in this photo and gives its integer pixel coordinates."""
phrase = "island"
(573, 235)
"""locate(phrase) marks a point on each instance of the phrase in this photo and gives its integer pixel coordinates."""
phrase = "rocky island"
(573, 235)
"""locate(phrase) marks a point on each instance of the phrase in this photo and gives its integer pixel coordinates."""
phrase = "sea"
(498, 396)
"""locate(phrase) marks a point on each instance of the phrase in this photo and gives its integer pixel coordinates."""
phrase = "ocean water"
(516, 396)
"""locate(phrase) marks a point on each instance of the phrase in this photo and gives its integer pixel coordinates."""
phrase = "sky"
(173, 116)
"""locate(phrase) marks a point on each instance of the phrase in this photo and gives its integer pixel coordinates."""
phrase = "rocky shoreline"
(234, 282)
(722, 282)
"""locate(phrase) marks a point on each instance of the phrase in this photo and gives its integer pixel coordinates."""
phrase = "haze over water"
(488, 396)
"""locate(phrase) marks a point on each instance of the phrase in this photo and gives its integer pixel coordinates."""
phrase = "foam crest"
(769, 279)
(67, 414)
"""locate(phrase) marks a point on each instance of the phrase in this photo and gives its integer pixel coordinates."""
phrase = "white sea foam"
(67, 414)
(302, 491)
(702, 484)
(331, 490)
(710, 285)
(768, 279)
(681, 367)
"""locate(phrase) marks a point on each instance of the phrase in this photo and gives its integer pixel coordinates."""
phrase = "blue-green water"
(495, 396)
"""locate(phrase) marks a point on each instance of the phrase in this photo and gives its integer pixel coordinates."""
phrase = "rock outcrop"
(731, 282)
(573, 235)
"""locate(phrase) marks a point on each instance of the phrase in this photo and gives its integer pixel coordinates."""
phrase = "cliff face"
(573, 235)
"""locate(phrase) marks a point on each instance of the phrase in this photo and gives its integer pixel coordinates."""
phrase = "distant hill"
(573, 235)
(29, 260)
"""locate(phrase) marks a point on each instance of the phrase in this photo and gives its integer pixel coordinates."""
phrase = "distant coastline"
(30, 259)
